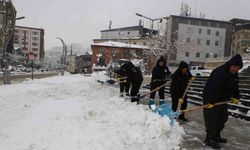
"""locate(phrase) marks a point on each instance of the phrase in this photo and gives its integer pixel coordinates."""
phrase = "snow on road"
(75, 113)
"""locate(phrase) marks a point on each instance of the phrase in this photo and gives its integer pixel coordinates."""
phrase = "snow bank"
(75, 113)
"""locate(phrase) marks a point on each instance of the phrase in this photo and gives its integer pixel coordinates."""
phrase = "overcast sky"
(80, 21)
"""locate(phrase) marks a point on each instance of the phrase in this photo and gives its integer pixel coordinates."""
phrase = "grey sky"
(79, 21)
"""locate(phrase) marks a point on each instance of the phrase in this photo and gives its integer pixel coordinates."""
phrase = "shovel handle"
(156, 89)
(204, 106)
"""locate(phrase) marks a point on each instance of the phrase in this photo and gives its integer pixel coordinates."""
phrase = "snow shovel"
(184, 94)
(156, 89)
(166, 110)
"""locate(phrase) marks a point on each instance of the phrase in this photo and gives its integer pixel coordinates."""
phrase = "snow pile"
(75, 113)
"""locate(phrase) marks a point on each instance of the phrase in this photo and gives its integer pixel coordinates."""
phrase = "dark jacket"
(160, 73)
(132, 72)
(180, 81)
(222, 85)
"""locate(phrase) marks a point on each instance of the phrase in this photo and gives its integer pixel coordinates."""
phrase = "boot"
(209, 141)
(219, 139)
(182, 118)
(151, 104)
(121, 95)
(162, 102)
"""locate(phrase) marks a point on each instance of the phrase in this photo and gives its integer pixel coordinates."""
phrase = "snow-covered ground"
(75, 113)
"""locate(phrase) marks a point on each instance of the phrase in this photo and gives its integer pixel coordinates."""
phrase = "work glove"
(235, 101)
(192, 79)
(181, 100)
(209, 106)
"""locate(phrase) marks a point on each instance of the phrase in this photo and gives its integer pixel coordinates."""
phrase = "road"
(17, 78)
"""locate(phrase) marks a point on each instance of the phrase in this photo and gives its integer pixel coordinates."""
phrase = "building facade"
(30, 40)
(195, 40)
(137, 35)
(240, 36)
(110, 51)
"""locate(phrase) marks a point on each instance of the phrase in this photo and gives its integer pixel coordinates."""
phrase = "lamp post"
(64, 55)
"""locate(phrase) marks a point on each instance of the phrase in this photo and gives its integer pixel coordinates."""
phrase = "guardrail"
(241, 110)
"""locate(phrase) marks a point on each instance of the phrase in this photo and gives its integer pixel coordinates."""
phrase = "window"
(102, 51)
(207, 55)
(34, 49)
(188, 40)
(16, 31)
(200, 31)
(199, 41)
(115, 55)
(144, 43)
(187, 54)
(34, 44)
(35, 33)
(217, 33)
(34, 38)
(128, 33)
(216, 43)
(208, 32)
(197, 55)
(126, 53)
(135, 43)
(208, 42)
(215, 55)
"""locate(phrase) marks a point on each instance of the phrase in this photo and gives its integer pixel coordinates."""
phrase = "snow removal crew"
(134, 78)
(222, 85)
(123, 79)
(159, 74)
(180, 81)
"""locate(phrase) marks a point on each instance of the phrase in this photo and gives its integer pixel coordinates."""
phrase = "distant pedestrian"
(222, 85)
(159, 75)
(180, 80)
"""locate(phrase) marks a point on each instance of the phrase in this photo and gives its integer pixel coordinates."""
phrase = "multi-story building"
(137, 35)
(240, 36)
(195, 40)
(30, 40)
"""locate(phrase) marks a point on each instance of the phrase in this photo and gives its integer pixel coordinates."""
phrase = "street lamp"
(63, 57)
(20, 18)
(150, 19)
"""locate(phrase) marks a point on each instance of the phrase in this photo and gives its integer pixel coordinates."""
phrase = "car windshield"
(201, 68)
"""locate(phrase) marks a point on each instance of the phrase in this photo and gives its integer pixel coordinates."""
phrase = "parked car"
(200, 71)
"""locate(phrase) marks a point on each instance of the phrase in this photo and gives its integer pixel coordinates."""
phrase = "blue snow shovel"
(166, 110)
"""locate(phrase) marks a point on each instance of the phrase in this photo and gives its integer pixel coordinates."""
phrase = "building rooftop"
(202, 19)
(120, 45)
(132, 28)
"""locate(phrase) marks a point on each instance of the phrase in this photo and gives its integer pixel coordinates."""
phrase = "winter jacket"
(160, 73)
(180, 81)
(222, 85)
(132, 72)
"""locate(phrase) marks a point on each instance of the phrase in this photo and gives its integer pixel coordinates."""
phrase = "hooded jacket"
(222, 85)
(180, 81)
(160, 73)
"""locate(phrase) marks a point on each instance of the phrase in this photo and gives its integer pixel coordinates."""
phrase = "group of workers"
(221, 86)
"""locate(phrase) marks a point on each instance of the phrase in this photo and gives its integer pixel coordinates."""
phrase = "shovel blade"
(165, 110)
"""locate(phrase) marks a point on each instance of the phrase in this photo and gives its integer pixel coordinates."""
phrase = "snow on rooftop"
(119, 44)
(74, 112)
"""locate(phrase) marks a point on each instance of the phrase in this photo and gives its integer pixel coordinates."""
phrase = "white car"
(200, 71)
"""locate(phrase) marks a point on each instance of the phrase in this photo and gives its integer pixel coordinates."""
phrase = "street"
(18, 78)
